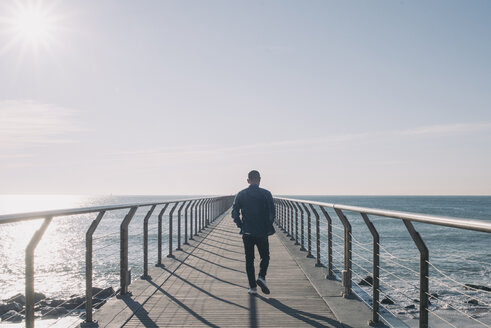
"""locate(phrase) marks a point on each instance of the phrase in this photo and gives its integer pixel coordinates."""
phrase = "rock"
(412, 306)
(473, 302)
(18, 298)
(12, 316)
(21, 299)
(481, 287)
(38, 297)
(387, 300)
(74, 303)
(367, 281)
(52, 302)
(6, 307)
(102, 293)
(53, 312)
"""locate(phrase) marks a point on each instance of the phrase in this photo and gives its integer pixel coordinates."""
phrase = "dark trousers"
(262, 244)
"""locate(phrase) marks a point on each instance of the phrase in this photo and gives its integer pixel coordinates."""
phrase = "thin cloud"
(213, 150)
(448, 129)
(26, 123)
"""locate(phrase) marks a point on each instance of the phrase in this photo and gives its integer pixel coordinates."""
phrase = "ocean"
(457, 257)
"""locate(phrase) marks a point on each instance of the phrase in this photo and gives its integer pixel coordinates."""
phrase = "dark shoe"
(261, 282)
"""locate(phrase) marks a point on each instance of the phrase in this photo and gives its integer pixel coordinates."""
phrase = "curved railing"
(203, 210)
(291, 213)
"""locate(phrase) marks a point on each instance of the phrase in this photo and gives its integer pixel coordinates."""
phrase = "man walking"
(258, 213)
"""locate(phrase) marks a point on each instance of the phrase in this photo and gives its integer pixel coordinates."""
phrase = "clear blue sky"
(185, 97)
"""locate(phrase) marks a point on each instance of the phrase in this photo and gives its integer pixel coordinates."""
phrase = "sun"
(33, 25)
(28, 25)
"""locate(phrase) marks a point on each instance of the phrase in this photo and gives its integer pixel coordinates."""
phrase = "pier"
(199, 279)
(206, 285)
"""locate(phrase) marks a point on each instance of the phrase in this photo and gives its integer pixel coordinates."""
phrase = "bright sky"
(185, 97)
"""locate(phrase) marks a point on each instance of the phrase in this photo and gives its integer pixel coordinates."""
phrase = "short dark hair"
(254, 175)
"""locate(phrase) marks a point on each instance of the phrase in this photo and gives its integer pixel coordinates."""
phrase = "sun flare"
(29, 24)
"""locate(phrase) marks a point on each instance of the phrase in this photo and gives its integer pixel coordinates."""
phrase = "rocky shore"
(13, 308)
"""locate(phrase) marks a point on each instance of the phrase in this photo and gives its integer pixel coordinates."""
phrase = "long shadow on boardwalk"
(184, 306)
(209, 275)
(138, 310)
(200, 289)
(302, 315)
(211, 262)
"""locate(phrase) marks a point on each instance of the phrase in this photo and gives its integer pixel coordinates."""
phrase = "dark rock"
(102, 293)
(412, 306)
(481, 287)
(473, 302)
(74, 303)
(387, 300)
(53, 312)
(12, 316)
(416, 301)
(38, 297)
(52, 302)
(367, 281)
(17, 298)
(6, 307)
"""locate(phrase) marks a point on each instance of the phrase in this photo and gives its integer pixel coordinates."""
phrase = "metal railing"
(288, 219)
(203, 210)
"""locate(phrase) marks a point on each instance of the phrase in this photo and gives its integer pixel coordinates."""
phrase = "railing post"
(88, 266)
(317, 237)
(30, 271)
(286, 211)
(205, 213)
(292, 207)
(186, 223)
(375, 269)
(192, 209)
(347, 253)
(124, 251)
(309, 232)
(202, 215)
(423, 273)
(296, 223)
(170, 230)
(196, 217)
(302, 243)
(145, 241)
(159, 237)
(179, 227)
(330, 273)
(285, 217)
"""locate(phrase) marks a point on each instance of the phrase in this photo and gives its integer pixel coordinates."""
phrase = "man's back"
(258, 212)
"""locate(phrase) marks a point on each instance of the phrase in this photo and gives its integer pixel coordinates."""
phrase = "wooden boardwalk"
(206, 285)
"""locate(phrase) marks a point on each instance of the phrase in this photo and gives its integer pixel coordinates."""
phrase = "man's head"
(253, 177)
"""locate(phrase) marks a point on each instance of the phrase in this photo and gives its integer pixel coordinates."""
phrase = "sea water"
(457, 256)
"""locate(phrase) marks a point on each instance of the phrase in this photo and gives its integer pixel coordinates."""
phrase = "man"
(258, 213)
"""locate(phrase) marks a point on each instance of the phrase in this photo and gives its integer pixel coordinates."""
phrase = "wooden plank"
(206, 285)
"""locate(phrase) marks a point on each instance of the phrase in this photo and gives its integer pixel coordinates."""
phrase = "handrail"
(460, 223)
(288, 216)
(206, 216)
(19, 217)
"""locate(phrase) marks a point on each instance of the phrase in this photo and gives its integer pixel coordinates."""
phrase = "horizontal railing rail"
(204, 210)
(291, 212)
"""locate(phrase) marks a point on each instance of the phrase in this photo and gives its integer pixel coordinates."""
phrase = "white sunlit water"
(463, 256)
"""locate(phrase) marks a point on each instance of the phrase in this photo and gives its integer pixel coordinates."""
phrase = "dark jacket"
(258, 212)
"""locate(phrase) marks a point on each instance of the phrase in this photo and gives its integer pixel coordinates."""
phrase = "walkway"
(206, 285)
